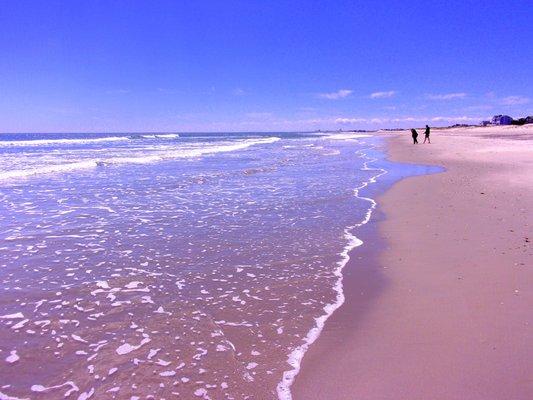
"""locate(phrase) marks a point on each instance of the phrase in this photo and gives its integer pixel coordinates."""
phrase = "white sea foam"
(128, 348)
(142, 158)
(72, 141)
(17, 315)
(13, 357)
(51, 142)
(297, 354)
(164, 136)
(188, 152)
(4, 396)
(346, 136)
(43, 389)
(47, 169)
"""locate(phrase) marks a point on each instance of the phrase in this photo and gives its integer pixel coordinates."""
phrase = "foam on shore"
(176, 277)
(296, 356)
(347, 135)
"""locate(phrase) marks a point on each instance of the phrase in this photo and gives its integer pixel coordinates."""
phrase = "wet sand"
(445, 309)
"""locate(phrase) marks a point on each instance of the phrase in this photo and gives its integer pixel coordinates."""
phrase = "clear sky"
(261, 65)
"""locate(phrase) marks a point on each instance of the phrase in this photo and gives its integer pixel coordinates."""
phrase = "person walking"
(426, 133)
(414, 134)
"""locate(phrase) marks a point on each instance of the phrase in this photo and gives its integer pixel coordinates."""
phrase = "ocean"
(173, 265)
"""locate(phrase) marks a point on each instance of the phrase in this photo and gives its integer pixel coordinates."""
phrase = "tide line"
(296, 355)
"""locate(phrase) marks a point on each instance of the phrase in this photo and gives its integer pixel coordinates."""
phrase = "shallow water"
(192, 266)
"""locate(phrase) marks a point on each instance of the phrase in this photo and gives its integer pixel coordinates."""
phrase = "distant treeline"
(522, 121)
(507, 120)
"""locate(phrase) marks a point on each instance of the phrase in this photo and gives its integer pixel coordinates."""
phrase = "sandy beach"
(445, 310)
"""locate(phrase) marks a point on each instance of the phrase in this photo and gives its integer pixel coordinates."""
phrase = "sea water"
(173, 265)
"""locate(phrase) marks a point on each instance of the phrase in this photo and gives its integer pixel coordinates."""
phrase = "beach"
(229, 200)
(294, 266)
(441, 307)
(174, 265)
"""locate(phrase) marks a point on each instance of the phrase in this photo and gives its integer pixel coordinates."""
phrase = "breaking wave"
(140, 158)
(56, 142)
(51, 142)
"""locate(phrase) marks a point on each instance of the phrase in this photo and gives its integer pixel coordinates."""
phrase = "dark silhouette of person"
(414, 134)
(426, 133)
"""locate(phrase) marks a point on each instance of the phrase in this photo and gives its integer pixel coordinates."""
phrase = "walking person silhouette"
(426, 133)
(414, 134)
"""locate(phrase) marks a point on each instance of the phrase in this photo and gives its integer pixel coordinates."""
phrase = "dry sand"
(453, 315)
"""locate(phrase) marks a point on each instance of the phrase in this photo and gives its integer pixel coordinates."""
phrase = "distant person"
(414, 134)
(426, 133)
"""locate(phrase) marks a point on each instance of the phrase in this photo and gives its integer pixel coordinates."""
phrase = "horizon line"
(222, 132)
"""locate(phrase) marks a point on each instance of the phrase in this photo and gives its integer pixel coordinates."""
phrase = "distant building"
(523, 121)
(501, 120)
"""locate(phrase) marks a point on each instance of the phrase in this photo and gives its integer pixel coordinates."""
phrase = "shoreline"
(297, 355)
(448, 319)
(362, 282)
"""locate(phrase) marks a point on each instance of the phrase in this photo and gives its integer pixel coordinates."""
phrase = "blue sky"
(261, 65)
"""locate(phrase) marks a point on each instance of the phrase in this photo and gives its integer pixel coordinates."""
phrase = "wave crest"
(142, 158)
